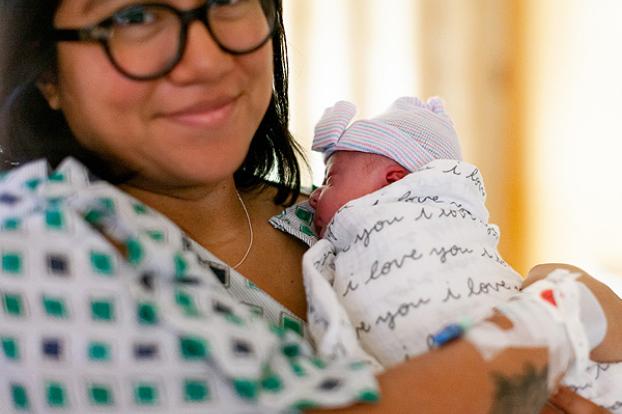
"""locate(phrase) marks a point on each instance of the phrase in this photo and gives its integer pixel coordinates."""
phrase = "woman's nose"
(203, 59)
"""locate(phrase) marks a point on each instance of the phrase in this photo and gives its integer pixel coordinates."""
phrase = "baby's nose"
(314, 196)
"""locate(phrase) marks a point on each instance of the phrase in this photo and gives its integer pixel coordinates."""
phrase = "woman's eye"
(134, 16)
(225, 2)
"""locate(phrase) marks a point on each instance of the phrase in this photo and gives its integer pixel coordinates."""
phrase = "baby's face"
(349, 175)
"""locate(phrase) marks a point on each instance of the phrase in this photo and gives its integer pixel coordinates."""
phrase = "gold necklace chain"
(250, 230)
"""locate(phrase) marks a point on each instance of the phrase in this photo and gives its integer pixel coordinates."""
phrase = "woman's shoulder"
(262, 200)
(268, 192)
(47, 206)
(20, 194)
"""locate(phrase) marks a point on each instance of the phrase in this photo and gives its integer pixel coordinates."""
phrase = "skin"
(566, 401)
(185, 163)
(350, 175)
(185, 170)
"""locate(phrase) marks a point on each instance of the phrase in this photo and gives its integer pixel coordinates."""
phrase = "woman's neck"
(211, 215)
(216, 220)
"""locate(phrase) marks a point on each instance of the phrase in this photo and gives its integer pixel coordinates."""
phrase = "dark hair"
(30, 129)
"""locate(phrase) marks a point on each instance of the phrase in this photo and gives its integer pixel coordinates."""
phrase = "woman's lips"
(203, 114)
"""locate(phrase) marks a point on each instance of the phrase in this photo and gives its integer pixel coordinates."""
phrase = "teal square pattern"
(100, 395)
(101, 263)
(156, 235)
(196, 391)
(186, 302)
(54, 307)
(12, 224)
(20, 397)
(192, 348)
(10, 347)
(99, 351)
(13, 304)
(102, 310)
(146, 393)
(140, 209)
(57, 176)
(12, 262)
(292, 323)
(56, 395)
(147, 313)
(305, 215)
(54, 219)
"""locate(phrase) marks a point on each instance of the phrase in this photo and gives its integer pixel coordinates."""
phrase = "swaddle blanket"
(399, 264)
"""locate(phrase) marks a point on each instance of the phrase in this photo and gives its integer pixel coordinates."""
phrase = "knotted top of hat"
(410, 132)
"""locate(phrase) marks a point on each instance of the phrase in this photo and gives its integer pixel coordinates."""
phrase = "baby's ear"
(395, 173)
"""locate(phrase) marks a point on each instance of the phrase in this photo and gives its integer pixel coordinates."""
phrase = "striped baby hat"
(410, 132)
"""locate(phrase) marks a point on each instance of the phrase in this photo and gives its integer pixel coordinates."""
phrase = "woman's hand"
(566, 401)
(609, 349)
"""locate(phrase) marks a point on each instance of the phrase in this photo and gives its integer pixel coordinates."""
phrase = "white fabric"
(548, 313)
(592, 316)
(399, 264)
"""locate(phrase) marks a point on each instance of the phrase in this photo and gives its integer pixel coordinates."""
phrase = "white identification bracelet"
(558, 313)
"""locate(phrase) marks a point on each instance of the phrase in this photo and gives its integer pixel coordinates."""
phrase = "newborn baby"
(407, 247)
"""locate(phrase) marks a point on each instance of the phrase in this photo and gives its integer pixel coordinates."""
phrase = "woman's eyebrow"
(94, 4)
(91, 4)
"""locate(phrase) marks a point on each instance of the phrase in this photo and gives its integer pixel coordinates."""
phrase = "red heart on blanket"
(548, 296)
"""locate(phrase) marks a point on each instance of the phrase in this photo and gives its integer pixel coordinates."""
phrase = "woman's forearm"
(457, 379)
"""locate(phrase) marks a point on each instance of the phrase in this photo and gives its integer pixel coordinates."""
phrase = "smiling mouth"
(204, 114)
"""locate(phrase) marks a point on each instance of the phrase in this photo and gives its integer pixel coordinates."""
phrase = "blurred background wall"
(534, 87)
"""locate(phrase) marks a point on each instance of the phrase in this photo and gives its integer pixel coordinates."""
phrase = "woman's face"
(190, 128)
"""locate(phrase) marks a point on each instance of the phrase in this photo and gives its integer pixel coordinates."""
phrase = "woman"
(183, 106)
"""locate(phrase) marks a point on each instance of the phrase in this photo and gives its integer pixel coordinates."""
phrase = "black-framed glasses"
(146, 41)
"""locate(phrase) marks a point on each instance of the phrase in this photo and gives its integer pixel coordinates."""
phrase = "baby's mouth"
(319, 229)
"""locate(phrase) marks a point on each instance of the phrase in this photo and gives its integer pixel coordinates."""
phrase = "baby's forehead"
(343, 159)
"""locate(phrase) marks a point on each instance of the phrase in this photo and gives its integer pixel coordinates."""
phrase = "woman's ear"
(395, 173)
(48, 86)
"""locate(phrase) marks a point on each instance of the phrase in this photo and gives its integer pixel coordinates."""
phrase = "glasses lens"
(242, 25)
(144, 39)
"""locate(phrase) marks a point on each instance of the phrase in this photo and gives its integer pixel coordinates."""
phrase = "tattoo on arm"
(523, 393)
